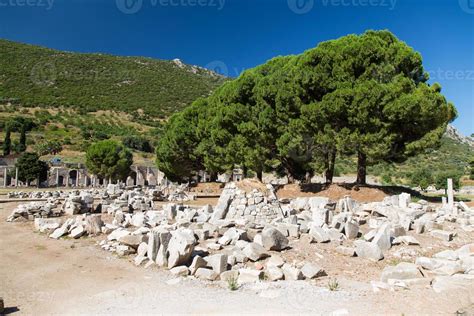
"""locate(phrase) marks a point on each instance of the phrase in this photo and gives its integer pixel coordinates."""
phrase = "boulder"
(407, 240)
(274, 273)
(351, 229)
(292, 273)
(311, 271)
(180, 247)
(401, 271)
(275, 261)
(180, 271)
(368, 250)
(273, 239)
(59, 232)
(162, 255)
(93, 224)
(77, 232)
(254, 251)
(206, 274)
(47, 224)
(217, 262)
(131, 240)
(198, 262)
(442, 234)
(229, 275)
(382, 237)
(319, 234)
(249, 276)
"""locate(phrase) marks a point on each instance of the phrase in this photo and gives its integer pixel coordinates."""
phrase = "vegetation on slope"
(37, 76)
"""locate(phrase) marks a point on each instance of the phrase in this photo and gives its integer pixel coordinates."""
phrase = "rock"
(368, 250)
(229, 275)
(139, 260)
(93, 224)
(292, 273)
(273, 239)
(447, 255)
(407, 240)
(77, 232)
(442, 234)
(428, 263)
(118, 233)
(217, 262)
(254, 252)
(45, 224)
(404, 199)
(232, 235)
(170, 211)
(351, 229)
(124, 250)
(319, 234)
(138, 219)
(346, 251)
(153, 245)
(249, 276)
(275, 261)
(220, 210)
(206, 274)
(162, 255)
(198, 262)
(59, 232)
(401, 271)
(274, 273)
(180, 271)
(142, 249)
(458, 284)
(311, 271)
(382, 237)
(131, 240)
(180, 247)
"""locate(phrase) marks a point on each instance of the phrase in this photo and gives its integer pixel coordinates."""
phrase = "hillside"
(36, 76)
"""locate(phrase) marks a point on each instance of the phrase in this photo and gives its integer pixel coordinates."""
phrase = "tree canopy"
(109, 159)
(30, 168)
(365, 95)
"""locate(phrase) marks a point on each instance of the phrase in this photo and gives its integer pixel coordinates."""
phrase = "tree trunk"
(361, 168)
(260, 175)
(330, 167)
(213, 176)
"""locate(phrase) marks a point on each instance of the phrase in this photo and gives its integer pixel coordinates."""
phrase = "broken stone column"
(16, 177)
(4, 177)
(450, 192)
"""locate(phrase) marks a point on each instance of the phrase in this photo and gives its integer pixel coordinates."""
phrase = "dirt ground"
(43, 276)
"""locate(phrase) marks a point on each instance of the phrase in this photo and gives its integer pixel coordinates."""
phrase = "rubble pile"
(255, 206)
(247, 235)
(32, 210)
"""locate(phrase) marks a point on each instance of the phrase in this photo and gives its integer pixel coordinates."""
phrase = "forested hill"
(36, 76)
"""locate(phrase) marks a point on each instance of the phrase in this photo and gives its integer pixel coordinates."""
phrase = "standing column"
(16, 177)
(450, 194)
(67, 180)
(136, 176)
(57, 177)
(85, 181)
(147, 173)
(5, 177)
(77, 178)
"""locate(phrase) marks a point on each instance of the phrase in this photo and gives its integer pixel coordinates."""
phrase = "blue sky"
(233, 35)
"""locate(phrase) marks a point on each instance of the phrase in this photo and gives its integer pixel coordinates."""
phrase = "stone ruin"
(243, 236)
(256, 206)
